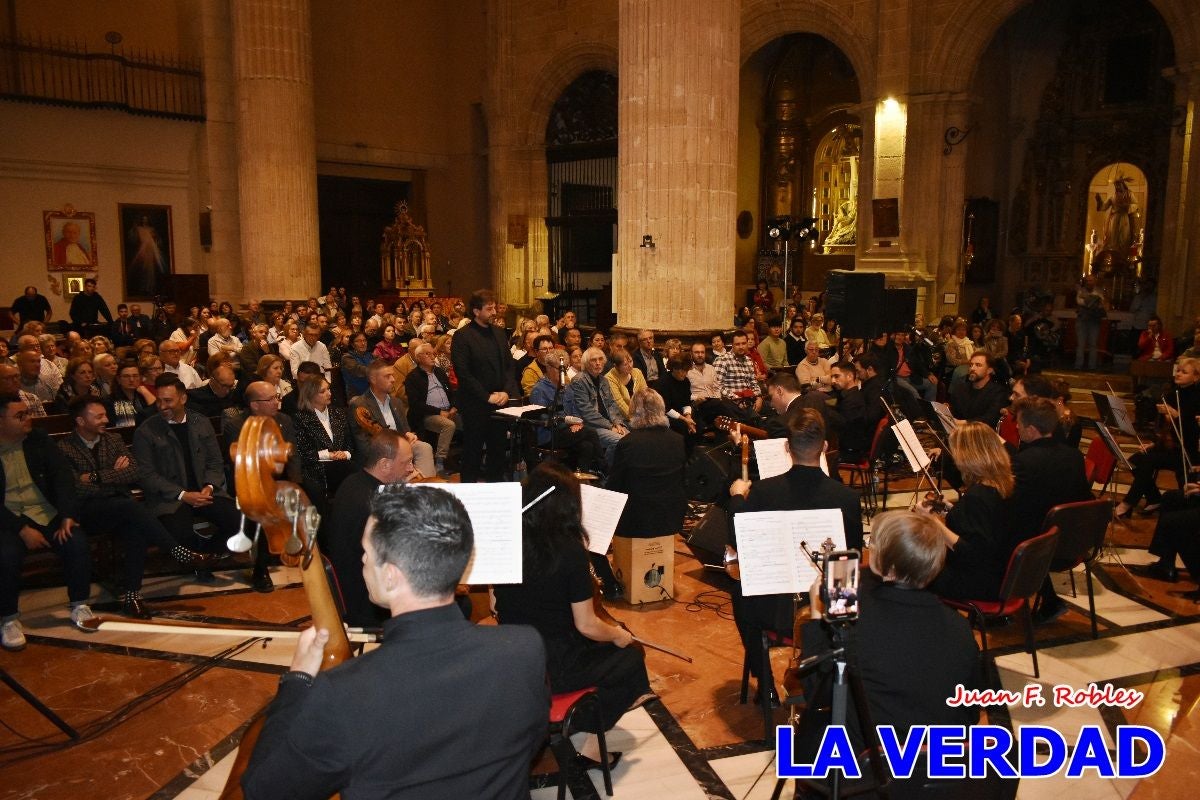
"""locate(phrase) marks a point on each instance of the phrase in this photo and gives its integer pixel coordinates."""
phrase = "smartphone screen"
(841, 585)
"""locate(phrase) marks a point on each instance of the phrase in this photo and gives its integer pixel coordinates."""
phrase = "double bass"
(289, 525)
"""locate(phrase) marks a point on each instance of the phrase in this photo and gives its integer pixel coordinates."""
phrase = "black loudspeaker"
(707, 474)
(899, 309)
(856, 301)
(709, 537)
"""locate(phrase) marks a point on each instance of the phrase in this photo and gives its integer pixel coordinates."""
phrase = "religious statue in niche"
(404, 255)
(1120, 245)
(835, 186)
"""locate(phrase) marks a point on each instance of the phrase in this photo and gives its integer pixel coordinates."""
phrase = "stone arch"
(554, 78)
(967, 31)
(763, 21)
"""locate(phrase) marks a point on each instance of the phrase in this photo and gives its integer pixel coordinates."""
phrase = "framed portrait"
(146, 251)
(70, 240)
(73, 285)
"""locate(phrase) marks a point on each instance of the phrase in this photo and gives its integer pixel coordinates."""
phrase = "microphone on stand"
(562, 371)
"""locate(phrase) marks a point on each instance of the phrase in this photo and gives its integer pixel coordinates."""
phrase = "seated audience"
(104, 472)
(40, 512)
(980, 397)
(354, 363)
(595, 404)
(648, 465)
(130, 401)
(431, 404)
(78, 381)
(813, 372)
(324, 440)
(384, 411)
(624, 380)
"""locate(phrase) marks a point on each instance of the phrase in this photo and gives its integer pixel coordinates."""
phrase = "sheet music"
(517, 411)
(495, 511)
(769, 552)
(914, 451)
(1120, 414)
(1111, 443)
(945, 416)
(773, 457)
(601, 512)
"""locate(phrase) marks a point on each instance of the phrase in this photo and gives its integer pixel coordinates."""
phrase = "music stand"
(38, 705)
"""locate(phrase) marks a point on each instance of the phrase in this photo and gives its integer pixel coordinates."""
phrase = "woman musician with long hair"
(1178, 409)
(975, 531)
(556, 597)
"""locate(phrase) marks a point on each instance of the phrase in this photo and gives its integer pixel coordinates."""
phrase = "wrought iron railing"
(65, 73)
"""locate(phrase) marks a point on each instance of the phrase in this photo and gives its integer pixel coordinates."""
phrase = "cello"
(289, 524)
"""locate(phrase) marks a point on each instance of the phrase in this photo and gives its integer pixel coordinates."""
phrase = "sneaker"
(81, 614)
(11, 636)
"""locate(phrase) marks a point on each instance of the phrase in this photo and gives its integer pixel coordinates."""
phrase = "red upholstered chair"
(1100, 464)
(1027, 568)
(1008, 430)
(1082, 528)
(562, 712)
(860, 472)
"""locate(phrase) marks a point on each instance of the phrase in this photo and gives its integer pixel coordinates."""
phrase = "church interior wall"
(93, 161)
(752, 98)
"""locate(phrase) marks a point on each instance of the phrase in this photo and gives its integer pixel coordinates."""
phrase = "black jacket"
(801, 489)
(483, 365)
(976, 565)
(850, 423)
(648, 465)
(162, 472)
(443, 709)
(311, 438)
(981, 405)
(51, 473)
(1048, 473)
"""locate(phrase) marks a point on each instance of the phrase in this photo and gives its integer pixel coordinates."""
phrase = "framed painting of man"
(70, 240)
(146, 251)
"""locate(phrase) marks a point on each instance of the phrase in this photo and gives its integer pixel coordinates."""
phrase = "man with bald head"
(47, 371)
(29, 363)
(218, 394)
(431, 402)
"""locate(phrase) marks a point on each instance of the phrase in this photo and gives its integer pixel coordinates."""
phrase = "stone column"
(277, 152)
(677, 168)
(219, 168)
(1179, 272)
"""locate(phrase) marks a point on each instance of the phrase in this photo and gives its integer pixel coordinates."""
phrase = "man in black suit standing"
(803, 487)
(388, 459)
(485, 383)
(474, 697)
(1048, 473)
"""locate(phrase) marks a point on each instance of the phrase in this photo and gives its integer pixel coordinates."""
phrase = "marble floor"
(161, 715)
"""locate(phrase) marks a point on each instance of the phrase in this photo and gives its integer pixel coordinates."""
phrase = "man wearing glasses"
(38, 513)
(218, 394)
(171, 352)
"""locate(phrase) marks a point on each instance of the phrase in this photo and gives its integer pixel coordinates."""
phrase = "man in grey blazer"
(386, 411)
(181, 471)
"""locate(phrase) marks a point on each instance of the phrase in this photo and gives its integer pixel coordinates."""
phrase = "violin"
(605, 616)
(936, 502)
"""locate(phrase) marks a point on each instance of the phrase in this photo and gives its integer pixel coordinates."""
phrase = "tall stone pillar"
(1179, 272)
(218, 169)
(277, 151)
(677, 168)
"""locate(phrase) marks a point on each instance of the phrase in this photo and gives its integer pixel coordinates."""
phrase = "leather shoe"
(1049, 613)
(134, 606)
(1159, 571)
(195, 560)
(261, 582)
(583, 762)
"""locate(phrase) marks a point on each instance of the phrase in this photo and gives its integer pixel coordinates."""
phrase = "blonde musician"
(975, 530)
(1177, 410)
(444, 708)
